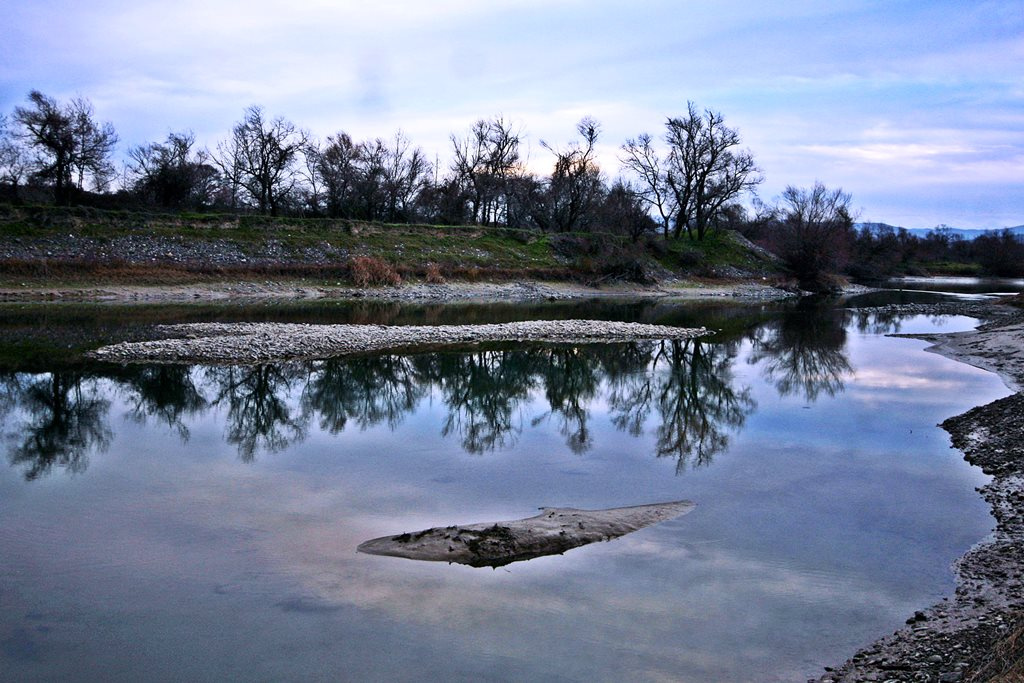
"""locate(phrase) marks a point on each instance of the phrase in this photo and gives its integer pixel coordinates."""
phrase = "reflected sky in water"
(201, 523)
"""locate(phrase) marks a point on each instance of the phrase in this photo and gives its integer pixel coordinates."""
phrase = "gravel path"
(248, 343)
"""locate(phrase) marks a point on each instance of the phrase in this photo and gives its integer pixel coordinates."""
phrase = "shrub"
(433, 274)
(367, 271)
(689, 259)
(814, 234)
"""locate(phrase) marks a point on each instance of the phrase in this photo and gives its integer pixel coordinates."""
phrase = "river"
(200, 523)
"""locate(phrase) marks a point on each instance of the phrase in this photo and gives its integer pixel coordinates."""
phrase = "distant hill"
(967, 234)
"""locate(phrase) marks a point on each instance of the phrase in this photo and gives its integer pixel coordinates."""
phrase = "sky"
(914, 108)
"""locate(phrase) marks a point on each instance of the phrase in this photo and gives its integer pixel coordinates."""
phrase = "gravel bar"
(249, 343)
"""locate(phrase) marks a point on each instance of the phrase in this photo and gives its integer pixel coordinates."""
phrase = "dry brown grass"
(433, 274)
(1007, 661)
(361, 270)
(365, 271)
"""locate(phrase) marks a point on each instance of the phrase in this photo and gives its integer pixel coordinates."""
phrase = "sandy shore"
(978, 634)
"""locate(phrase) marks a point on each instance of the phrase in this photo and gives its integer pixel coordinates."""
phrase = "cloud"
(810, 85)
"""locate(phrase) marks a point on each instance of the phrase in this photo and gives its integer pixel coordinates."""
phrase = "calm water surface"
(958, 285)
(200, 523)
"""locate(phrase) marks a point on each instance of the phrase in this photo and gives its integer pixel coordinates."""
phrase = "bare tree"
(702, 172)
(813, 233)
(94, 145)
(14, 161)
(371, 164)
(575, 188)
(337, 165)
(68, 143)
(312, 177)
(486, 161)
(261, 158)
(623, 212)
(228, 160)
(705, 171)
(171, 174)
(406, 172)
(640, 157)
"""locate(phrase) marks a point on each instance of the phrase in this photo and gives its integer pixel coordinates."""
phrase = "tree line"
(685, 183)
(689, 181)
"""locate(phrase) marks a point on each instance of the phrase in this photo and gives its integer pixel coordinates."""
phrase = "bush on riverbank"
(366, 271)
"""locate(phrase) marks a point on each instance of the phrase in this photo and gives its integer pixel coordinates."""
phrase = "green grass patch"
(320, 248)
(719, 249)
(952, 268)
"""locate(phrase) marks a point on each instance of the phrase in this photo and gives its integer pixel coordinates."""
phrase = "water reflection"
(167, 393)
(259, 416)
(65, 419)
(691, 385)
(685, 393)
(175, 543)
(803, 353)
(483, 393)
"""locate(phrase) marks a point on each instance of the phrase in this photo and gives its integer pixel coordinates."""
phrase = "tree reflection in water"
(66, 422)
(691, 385)
(483, 392)
(804, 352)
(259, 417)
(369, 390)
(683, 393)
(571, 380)
(165, 392)
(697, 402)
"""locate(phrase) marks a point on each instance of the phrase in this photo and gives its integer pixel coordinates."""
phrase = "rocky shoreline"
(251, 343)
(410, 292)
(978, 634)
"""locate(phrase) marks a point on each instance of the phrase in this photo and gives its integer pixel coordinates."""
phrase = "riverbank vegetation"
(673, 207)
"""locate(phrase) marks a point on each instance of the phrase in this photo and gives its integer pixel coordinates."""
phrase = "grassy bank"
(83, 246)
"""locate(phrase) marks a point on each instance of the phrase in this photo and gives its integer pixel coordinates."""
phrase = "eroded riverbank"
(978, 634)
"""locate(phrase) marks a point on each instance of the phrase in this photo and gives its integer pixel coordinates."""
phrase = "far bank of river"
(451, 292)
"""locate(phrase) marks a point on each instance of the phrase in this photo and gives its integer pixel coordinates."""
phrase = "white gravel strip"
(247, 343)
